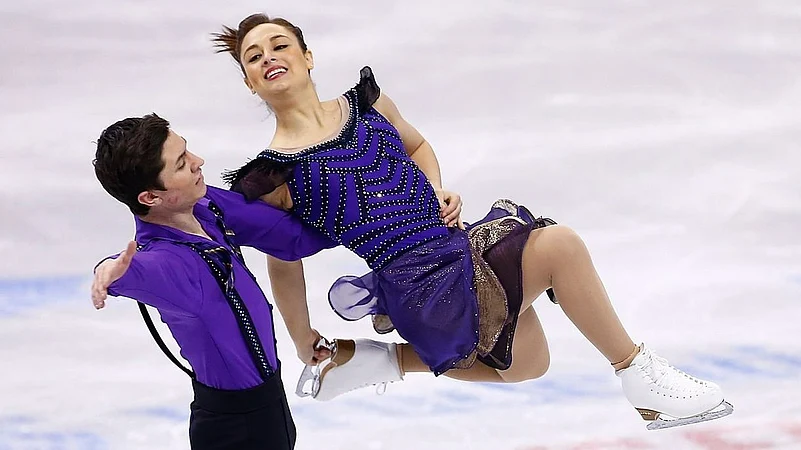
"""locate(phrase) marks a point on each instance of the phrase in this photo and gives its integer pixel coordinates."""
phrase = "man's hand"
(110, 271)
(308, 353)
(450, 207)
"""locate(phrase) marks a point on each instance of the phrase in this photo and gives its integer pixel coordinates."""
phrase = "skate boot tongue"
(666, 376)
(656, 367)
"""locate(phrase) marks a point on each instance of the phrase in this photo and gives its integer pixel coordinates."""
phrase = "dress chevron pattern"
(362, 190)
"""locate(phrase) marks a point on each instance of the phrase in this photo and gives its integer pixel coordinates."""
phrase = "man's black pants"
(249, 419)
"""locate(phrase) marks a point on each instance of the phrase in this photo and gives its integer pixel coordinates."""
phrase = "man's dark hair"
(128, 158)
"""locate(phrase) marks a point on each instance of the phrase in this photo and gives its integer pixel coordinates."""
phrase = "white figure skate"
(353, 365)
(657, 389)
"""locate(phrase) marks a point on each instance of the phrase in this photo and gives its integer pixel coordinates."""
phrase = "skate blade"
(309, 381)
(722, 410)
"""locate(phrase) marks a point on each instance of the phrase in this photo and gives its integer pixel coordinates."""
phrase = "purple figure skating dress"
(454, 295)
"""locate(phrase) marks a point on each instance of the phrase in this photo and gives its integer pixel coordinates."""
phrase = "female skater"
(356, 170)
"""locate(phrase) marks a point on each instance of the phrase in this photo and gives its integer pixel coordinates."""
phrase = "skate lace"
(380, 388)
(668, 377)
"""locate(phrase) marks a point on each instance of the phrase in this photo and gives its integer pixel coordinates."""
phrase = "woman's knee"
(532, 369)
(542, 365)
(561, 240)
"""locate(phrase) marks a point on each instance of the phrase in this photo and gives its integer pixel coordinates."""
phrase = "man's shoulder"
(168, 255)
(217, 202)
(215, 194)
(163, 248)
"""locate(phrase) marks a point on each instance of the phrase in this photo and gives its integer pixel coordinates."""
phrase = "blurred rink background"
(665, 133)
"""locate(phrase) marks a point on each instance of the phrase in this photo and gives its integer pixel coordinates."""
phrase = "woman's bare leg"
(530, 357)
(556, 257)
(410, 362)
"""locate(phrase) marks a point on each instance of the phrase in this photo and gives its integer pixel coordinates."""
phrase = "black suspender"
(156, 337)
(225, 278)
(218, 258)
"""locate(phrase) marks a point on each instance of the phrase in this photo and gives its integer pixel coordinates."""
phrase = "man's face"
(182, 177)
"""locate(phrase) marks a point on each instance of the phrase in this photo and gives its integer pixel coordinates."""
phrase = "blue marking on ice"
(461, 398)
(316, 415)
(733, 365)
(773, 357)
(15, 420)
(17, 295)
(747, 362)
(385, 409)
(164, 412)
(17, 432)
(557, 390)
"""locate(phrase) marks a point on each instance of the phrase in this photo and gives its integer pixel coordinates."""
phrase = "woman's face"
(274, 61)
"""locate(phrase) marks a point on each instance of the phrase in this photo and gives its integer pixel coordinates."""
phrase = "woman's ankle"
(625, 363)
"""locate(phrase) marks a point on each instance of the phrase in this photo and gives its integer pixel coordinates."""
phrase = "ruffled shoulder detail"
(258, 177)
(367, 90)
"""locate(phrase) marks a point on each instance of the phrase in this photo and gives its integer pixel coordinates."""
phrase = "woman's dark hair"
(230, 40)
(128, 159)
